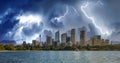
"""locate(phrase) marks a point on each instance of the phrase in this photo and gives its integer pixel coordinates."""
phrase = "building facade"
(35, 43)
(57, 36)
(73, 36)
(98, 41)
(57, 39)
(48, 40)
(63, 39)
(83, 38)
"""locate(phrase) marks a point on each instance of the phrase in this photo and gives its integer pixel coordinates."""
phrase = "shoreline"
(50, 50)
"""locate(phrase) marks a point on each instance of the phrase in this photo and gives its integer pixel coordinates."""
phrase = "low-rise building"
(35, 43)
(97, 41)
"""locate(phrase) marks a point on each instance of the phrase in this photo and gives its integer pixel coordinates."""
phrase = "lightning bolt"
(75, 10)
(102, 30)
(60, 17)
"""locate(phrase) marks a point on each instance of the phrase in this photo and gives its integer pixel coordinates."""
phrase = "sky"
(25, 20)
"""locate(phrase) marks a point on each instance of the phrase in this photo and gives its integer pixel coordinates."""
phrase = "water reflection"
(61, 57)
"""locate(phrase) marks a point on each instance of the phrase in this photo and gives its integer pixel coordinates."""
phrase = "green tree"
(9, 47)
(2, 47)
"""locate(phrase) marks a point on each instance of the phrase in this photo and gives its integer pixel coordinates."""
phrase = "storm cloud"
(27, 19)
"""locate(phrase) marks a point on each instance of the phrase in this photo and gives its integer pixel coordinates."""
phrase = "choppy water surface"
(60, 57)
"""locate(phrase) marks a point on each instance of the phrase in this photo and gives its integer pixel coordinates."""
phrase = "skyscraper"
(57, 36)
(68, 41)
(24, 43)
(64, 38)
(82, 38)
(73, 36)
(49, 40)
(57, 39)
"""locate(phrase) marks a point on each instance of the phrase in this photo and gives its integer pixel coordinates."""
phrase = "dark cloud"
(109, 11)
(56, 24)
(48, 32)
(106, 13)
(30, 31)
(44, 5)
(7, 42)
(14, 4)
(7, 24)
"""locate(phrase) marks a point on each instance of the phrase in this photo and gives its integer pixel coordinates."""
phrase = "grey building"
(73, 36)
(57, 36)
(83, 38)
(49, 40)
(63, 39)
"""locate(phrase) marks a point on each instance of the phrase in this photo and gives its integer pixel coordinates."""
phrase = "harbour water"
(60, 57)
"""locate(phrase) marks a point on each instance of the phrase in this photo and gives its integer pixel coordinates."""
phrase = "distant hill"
(7, 42)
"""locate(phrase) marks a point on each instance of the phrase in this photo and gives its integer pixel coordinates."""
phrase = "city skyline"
(62, 39)
(59, 31)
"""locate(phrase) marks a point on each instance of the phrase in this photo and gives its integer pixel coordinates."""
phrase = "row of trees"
(7, 47)
(29, 47)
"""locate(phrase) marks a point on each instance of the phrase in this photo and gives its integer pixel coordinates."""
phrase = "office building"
(57, 36)
(24, 43)
(69, 43)
(97, 41)
(73, 36)
(63, 39)
(35, 43)
(82, 38)
(48, 40)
